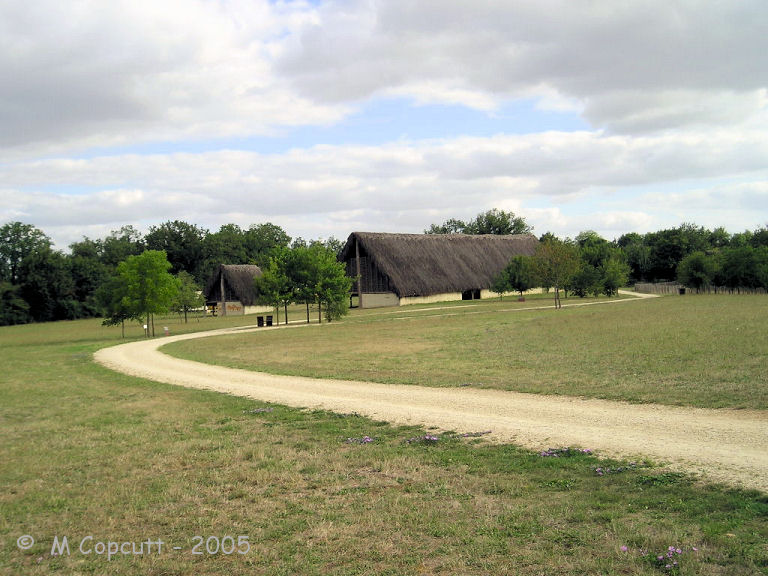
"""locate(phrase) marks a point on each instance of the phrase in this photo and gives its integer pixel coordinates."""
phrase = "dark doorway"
(471, 294)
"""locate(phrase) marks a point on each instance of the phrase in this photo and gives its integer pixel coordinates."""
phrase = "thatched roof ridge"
(424, 264)
(239, 278)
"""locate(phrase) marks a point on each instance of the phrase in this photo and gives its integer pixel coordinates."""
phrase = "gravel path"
(729, 446)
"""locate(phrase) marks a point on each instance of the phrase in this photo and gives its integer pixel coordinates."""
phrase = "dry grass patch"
(87, 451)
(706, 351)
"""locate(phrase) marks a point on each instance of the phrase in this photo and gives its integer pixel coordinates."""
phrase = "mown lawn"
(706, 351)
(88, 452)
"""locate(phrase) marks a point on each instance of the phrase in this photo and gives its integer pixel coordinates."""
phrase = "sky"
(328, 117)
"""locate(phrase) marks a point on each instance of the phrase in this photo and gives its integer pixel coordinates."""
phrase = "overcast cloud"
(613, 116)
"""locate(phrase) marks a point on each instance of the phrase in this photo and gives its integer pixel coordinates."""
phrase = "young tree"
(189, 296)
(329, 281)
(299, 268)
(521, 273)
(555, 263)
(149, 288)
(274, 287)
(500, 284)
(615, 274)
(113, 299)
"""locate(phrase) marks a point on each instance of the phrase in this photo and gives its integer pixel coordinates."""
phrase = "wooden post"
(359, 277)
(223, 296)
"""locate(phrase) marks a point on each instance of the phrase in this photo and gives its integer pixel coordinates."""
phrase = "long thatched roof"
(425, 264)
(238, 282)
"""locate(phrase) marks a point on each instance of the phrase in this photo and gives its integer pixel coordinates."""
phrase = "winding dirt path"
(729, 446)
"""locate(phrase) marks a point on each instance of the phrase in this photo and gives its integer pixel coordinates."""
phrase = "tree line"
(695, 256)
(39, 283)
(589, 265)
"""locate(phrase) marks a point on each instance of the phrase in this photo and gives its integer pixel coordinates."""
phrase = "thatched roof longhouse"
(427, 264)
(238, 283)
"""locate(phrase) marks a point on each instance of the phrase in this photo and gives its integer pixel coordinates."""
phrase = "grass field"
(706, 351)
(88, 452)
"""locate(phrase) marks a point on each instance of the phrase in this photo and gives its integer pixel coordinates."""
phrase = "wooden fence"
(675, 288)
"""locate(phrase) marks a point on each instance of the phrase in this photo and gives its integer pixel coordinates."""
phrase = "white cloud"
(676, 94)
(632, 65)
(329, 189)
(94, 73)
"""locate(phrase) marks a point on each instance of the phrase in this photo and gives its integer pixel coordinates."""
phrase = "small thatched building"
(231, 290)
(398, 269)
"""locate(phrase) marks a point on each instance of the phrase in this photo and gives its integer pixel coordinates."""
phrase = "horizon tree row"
(39, 283)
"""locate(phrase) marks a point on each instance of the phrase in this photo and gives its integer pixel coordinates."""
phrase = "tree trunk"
(285, 308)
(185, 314)
(319, 311)
(307, 311)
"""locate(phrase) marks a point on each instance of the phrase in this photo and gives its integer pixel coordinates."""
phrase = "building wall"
(233, 308)
(449, 297)
(490, 294)
(259, 309)
(236, 308)
(380, 300)
(391, 299)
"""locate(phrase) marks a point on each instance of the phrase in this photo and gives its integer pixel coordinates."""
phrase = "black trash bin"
(269, 320)
(259, 321)
(682, 291)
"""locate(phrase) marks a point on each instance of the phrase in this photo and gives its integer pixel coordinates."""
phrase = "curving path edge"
(727, 446)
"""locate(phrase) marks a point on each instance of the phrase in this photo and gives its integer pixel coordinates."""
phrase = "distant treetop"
(493, 221)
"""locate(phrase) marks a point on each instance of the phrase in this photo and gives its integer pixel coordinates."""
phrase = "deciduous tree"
(555, 263)
(182, 243)
(614, 274)
(274, 287)
(521, 273)
(149, 288)
(189, 297)
(46, 285)
(17, 241)
(493, 221)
